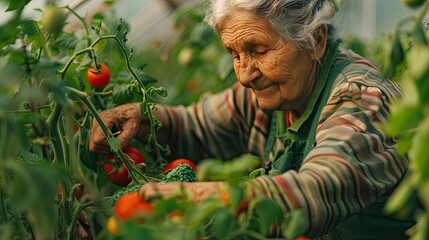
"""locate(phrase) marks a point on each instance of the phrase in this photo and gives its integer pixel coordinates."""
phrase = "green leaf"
(223, 224)
(101, 177)
(257, 173)
(236, 194)
(210, 169)
(418, 64)
(161, 91)
(121, 94)
(16, 4)
(201, 213)
(400, 197)
(269, 213)
(419, 152)
(296, 224)
(404, 117)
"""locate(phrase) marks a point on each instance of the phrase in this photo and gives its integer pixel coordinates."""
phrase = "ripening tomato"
(120, 176)
(100, 78)
(131, 205)
(112, 226)
(177, 162)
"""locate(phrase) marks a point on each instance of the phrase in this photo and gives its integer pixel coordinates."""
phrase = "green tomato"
(53, 19)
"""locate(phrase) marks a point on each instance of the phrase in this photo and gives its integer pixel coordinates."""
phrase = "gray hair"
(297, 21)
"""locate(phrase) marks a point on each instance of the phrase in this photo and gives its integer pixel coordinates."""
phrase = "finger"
(97, 139)
(128, 132)
(101, 149)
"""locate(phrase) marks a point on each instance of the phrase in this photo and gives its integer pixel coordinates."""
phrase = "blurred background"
(186, 57)
(152, 19)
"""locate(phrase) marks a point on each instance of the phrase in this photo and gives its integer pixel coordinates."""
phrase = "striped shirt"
(353, 165)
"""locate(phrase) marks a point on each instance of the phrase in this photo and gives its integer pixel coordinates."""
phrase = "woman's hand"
(198, 191)
(125, 119)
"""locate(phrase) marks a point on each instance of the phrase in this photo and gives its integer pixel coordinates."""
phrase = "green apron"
(299, 139)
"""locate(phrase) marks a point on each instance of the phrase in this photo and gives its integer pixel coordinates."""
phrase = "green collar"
(327, 61)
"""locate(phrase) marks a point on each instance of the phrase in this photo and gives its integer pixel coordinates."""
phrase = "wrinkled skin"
(280, 75)
(125, 118)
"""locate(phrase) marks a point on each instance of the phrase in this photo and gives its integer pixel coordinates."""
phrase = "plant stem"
(75, 216)
(85, 26)
(65, 143)
(53, 132)
(84, 97)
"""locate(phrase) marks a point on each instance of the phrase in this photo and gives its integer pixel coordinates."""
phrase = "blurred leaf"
(8, 33)
(223, 224)
(404, 142)
(296, 224)
(232, 170)
(236, 194)
(400, 197)
(419, 34)
(419, 152)
(201, 213)
(160, 91)
(67, 40)
(404, 117)
(101, 176)
(121, 94)
(269, 213)
(418, 64)
(16, 4)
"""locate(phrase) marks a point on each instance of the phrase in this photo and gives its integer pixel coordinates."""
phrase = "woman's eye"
(259, 50)
(235, 55)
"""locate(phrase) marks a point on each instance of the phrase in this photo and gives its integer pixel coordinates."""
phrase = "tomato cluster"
(121, 176)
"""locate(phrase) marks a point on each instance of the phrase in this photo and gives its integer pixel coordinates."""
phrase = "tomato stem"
(79, 208)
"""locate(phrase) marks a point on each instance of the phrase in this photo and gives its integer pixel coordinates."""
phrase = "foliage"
(404, 55)
(46, 110)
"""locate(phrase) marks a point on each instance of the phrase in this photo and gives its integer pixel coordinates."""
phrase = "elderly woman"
(310, 111)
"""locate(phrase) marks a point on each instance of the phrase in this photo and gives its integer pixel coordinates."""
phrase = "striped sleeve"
(223, 125)
(353, 164)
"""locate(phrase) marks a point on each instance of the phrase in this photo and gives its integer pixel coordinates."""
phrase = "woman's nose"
(247, 71)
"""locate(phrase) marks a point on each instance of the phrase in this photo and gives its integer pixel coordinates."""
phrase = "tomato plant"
(120, 176)
(98, 77)
(177, 162)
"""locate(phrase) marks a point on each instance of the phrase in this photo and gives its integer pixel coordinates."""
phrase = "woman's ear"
(322, 40)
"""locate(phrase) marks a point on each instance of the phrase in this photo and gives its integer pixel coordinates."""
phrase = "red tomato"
(98, 79)
(130, 205)
(176, 163)
(120, 176)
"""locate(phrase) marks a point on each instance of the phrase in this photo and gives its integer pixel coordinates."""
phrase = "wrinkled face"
(280, 75)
